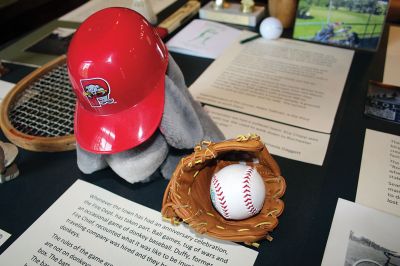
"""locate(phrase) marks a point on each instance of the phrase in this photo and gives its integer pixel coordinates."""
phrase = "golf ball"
(271, 28)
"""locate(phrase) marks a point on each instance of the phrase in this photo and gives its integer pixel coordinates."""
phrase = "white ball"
(271, 28)
(237, 191)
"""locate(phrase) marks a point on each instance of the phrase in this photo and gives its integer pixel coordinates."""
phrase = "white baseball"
(237, 191)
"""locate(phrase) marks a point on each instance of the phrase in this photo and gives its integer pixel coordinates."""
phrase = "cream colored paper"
(392, 63)
(292, 82)
(361, 233)
(283, 140)
(89, 225)
(203, 38)
(379, 179)
(5, 87)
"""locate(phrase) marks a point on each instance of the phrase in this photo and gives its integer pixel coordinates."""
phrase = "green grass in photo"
(364, 24)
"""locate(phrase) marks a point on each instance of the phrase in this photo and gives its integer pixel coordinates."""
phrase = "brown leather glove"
(187, 197)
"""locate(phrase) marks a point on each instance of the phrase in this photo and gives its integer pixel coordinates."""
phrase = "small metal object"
(8, 169)
(10, 152)
(220, 4)
(10, 173)
(247, 6)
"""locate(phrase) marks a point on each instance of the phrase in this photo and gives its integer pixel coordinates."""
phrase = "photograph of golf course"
(348, 23)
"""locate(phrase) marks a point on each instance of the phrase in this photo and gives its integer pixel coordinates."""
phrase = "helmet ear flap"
(180, 123)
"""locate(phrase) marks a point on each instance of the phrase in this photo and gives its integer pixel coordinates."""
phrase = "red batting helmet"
(116, 63)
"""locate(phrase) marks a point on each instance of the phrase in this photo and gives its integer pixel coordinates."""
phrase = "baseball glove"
(187, 196)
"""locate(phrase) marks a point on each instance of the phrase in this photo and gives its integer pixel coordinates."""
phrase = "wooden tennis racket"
(38, 113)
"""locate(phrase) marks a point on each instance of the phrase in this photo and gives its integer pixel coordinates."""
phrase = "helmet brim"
(113, 133)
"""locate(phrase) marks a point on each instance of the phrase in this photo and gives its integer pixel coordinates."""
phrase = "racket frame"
(25, 141)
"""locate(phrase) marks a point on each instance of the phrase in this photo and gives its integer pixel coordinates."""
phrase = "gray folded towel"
(183, 125)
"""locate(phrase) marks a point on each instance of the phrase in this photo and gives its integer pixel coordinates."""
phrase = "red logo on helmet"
(97, 91)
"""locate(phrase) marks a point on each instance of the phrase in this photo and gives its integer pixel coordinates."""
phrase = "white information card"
(285, 91)
(392, 62)
(203, 38)
(88, 225)
(283, 80)
(282, 140)
(379, 179)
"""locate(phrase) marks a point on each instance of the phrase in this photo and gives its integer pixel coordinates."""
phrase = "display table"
(310, 198)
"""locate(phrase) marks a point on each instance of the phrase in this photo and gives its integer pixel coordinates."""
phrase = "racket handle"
(180, 16)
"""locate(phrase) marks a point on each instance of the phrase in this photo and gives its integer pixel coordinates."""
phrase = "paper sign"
(283, 140)
(203, 38)
(379, 180)
(283, 80)
(391, 73)
(296, 84)
(88, 225)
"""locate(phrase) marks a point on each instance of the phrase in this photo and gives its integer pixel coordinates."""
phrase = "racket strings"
(46, 107)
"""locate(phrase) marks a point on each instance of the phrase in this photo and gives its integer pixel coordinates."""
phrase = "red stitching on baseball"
(247, 193)
(220, 196)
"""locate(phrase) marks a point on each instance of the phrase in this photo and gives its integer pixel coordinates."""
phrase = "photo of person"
(356, 24)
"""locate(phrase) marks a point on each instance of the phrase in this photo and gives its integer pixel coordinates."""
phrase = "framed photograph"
(360, 235)
(356, 24)
(361, 250)
(383, 101)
